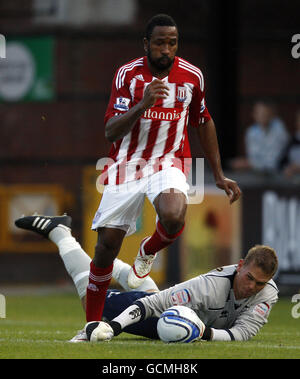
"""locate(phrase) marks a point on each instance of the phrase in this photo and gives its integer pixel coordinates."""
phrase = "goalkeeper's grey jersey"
(211, 296)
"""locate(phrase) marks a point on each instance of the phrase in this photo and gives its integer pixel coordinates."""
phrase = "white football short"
(122, 204)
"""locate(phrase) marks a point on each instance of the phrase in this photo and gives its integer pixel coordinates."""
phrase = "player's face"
(249, 280)
(162, 47)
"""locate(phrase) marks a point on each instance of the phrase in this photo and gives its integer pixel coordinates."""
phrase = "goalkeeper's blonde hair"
(264, 257)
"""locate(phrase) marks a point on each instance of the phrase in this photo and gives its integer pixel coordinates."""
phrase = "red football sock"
(160, 239)
(99, 280)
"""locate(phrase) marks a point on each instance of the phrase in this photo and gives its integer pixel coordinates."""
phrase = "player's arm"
(246, 326)
(148, 306)
(209, 142)
(105, 331)
(118, 126)
(154, 305)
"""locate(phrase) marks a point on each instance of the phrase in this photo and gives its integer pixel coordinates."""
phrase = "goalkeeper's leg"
(77, 264)
(76, 261)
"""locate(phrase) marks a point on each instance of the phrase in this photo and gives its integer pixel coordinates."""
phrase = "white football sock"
(76, 261)
(125, 318)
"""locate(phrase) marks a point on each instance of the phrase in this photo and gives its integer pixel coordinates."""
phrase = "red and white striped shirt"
(159, 138)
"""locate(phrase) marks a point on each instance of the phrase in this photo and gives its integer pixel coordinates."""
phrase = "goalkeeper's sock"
(76, 261)
(160, 239)
(99, 280)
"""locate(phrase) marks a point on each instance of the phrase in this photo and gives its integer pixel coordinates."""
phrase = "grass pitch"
(38, 327)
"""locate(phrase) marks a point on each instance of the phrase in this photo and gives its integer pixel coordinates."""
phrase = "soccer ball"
(179, 324)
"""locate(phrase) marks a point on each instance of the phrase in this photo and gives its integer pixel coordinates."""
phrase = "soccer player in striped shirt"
(153, 100)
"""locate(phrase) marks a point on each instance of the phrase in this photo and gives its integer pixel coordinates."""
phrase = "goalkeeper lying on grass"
(233, 301)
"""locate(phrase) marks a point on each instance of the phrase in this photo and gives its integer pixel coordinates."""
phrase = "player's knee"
(107, 246)
(172, 221)
(109, 241)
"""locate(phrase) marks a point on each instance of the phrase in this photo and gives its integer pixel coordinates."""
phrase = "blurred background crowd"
(55, 82)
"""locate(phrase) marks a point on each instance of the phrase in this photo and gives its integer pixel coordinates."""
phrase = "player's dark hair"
(263, 257)
(158, 20)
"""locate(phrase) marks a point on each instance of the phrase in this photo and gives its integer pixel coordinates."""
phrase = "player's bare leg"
(171, 208)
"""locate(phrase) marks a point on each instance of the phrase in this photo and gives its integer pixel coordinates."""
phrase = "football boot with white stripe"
(141, 267)
(43, 224)
(80, 337)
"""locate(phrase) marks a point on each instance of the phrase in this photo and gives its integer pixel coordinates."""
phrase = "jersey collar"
(148, 77)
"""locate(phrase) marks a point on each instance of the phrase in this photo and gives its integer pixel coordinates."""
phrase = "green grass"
(40, 326)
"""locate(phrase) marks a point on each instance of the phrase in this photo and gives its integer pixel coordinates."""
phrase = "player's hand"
(231, 188)
(103, 332)
(154, 91)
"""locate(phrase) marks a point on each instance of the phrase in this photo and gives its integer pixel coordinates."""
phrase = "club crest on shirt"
(180, 297)
(122, 104)
(181, 94)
